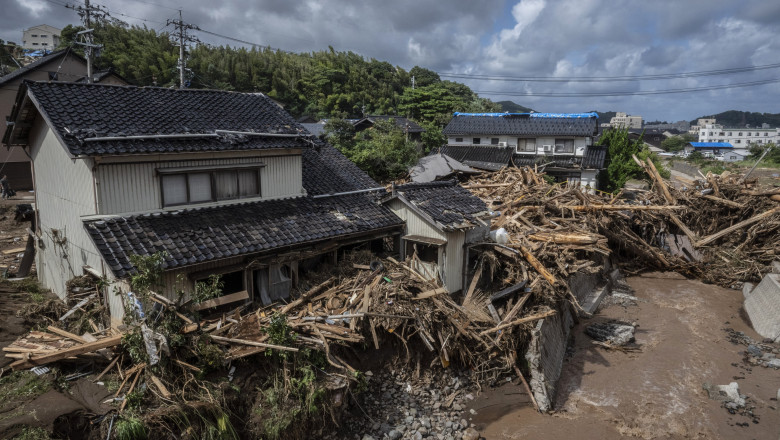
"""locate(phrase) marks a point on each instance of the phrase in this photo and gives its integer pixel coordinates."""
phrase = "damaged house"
(562, 143)
(217, 182)
(442, 219)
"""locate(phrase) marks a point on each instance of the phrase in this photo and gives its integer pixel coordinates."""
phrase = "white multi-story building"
(701, 123)
(626, 121)
(42, 37)
(740, 138)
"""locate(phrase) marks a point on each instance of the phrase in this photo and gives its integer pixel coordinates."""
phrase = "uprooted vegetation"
(288, 370)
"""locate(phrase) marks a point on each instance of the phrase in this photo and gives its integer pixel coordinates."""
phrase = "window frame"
(476, 141)
(563, 144)
(525, 145)
(212, 173)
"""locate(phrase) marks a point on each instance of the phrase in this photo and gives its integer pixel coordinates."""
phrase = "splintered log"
(252, 343)
(769, 192)
(577, 208)
(775, 197)
(313, 291)
(110, 341)
(756, 218)
(683, 227)
(518, 322)
(723, 201)
(660, 182)
(539, 267)
(577, 238)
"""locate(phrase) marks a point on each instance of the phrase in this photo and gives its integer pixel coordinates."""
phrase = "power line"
(242, 41)
(631, 93)
(610, 78)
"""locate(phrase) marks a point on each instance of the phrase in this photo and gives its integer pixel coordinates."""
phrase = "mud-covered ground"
(654, 393)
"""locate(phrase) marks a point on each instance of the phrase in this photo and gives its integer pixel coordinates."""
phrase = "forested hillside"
(324, 84)
(736, 118)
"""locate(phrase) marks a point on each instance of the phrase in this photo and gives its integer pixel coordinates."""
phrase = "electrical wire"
(630, 93)
(241, 41)
(612, 78)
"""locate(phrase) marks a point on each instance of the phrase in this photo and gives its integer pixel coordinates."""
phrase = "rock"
(614, 333)
(754, 350)
(457, 407)
(464, 423)
(413, 412)
(437, 405)
(725, 393)
(778, 394)
(368, 437)
(472, 411)
(470, 434)
(394, 434)
(774, 363)
(422, 430)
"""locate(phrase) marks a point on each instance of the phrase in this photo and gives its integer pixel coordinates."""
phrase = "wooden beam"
(683, 227)
(518, 322)
(252, 343)
(539, 267)
(66, 334)
(111, 341)
(756, 218)
(222, 300)
(723, 201)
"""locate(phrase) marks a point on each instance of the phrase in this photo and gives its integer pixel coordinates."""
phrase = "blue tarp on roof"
(711, 145)
(533, 115)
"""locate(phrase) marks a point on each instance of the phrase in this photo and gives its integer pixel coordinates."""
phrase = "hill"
(511, 107)
(737, 118)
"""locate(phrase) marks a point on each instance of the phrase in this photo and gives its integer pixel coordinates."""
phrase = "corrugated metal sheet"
(124, 188)
(64, 193)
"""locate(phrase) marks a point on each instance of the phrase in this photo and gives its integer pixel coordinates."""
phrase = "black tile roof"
(446, 202)
(594, 158)
(524, 160)
(491, 158)
(327, 171)
(80, 111)
(37, 64)
(520, 125)
(403, 123)
(207, 234)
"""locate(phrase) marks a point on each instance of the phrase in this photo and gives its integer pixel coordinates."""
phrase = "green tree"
(757, 150)
(677, 143)
(620, 166)
(424, 77)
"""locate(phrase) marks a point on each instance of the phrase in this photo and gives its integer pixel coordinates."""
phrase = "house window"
(731, 133)
(201, 186)
(44, 44)
(766, 134)
(564, 145)
(34, 35)
(475, 141)
(738, 141)
(35, 44)
(526, 145)
(740, 133)
(458, 139)
(44, 35)
(493, 141)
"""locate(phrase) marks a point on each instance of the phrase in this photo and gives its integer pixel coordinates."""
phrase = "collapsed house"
(442, 219)
(561, 142)
(215, 182)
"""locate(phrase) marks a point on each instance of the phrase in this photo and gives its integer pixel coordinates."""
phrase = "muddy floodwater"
(655, 392)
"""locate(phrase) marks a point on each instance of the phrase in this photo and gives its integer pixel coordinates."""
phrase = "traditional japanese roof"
(446, 204)
(199, 235)
(594, 158)
(407, 125)
(491, 158)
(523, 124)
(710, 145)
(37, 64)
(327, 171)
(99, 120)
(437, 166)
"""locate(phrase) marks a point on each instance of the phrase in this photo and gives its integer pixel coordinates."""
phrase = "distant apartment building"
(626, 121)
(740, 138)
(701, 123)
(42, 37)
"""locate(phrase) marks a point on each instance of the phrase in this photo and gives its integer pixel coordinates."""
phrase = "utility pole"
(183, 38)
(412, 82)
(86, 13)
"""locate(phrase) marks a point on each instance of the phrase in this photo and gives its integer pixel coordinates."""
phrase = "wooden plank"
(518, 322)
(473, 284)
(160, 386)
(430, 293)
(506, 292)
(14, 251)
(222, 300)
(683, 227)
(723, 201)
(27, 258)
(66, 334)
(755, 219)
(77, 306)
(111, 341)
(539, 267)
(660, 182)
(252, 343)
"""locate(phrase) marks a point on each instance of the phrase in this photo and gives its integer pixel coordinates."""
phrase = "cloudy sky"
(518, 48)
